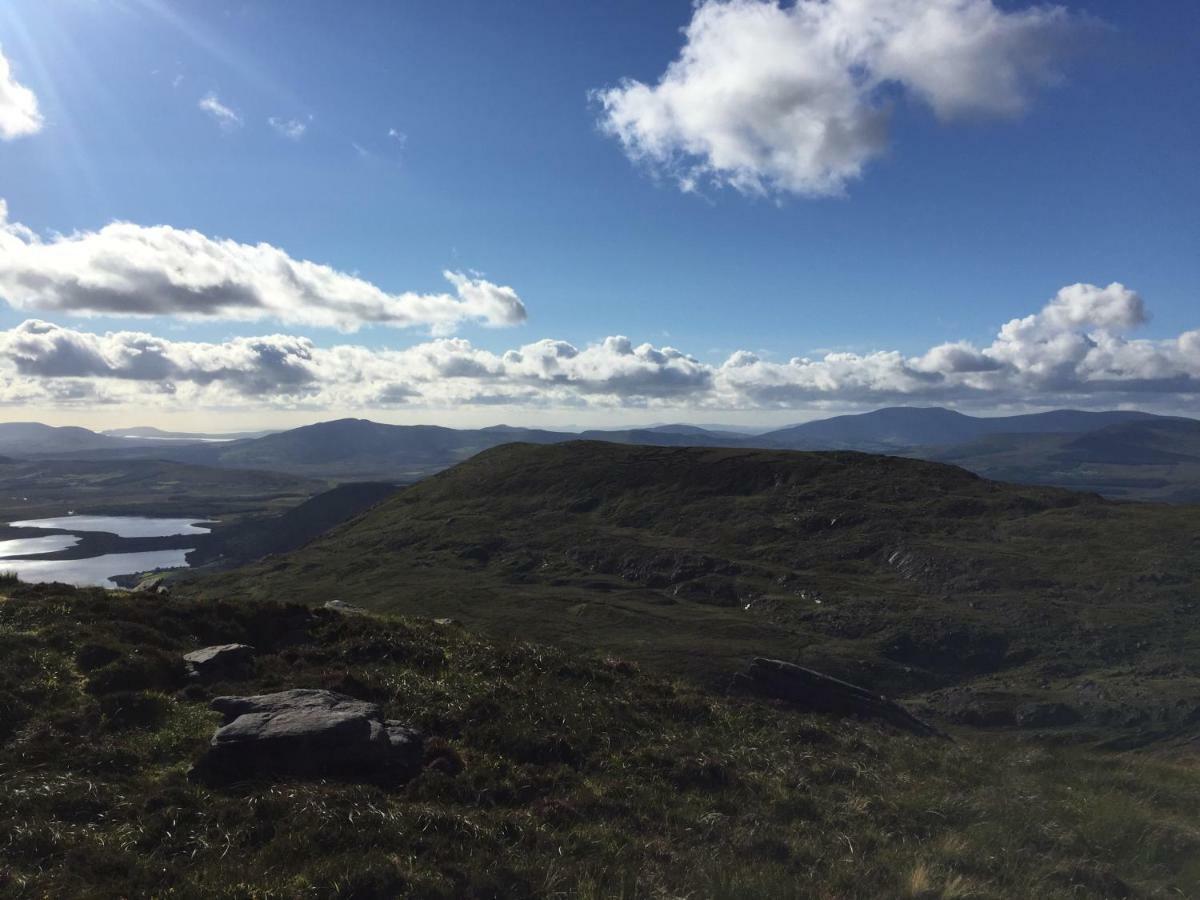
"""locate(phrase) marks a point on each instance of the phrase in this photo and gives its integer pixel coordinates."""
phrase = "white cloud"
(19, 113)
(222, 114)
(793, 98)
(130, 270)
(292, 129)
(1075, 352)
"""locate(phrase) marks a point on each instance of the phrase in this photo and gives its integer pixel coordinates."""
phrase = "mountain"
(905, 427)
(1140, 443)
(670, 436)
(27, 438)
(1025, 448)
(358, 449)
(972, 598)
(1150, 459)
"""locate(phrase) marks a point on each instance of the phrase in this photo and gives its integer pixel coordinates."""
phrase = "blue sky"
(467, 136)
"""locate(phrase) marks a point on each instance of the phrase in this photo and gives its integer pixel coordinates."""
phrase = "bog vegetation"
(551, 773)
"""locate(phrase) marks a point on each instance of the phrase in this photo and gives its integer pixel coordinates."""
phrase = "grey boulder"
(220, 661)
(308, 733)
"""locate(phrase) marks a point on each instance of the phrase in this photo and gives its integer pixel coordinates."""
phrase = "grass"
(582, 776)
(972, 599)
(145, 487)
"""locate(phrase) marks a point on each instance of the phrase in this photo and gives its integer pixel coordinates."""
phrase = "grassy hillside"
(241, 542)
(1158, 459)
(984, 603)
(39, 488)
(553, 774)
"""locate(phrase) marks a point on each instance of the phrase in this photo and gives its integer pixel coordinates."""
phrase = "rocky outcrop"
(307, 733)
(815, 692)
(223, 661)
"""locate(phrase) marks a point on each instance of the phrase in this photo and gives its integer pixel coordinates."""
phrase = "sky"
(222, 215)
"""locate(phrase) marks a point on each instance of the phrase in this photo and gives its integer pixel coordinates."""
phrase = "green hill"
(982, 603)
(1154, 459)
(549, 774)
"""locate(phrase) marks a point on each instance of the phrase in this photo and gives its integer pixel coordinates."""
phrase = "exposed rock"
(1046, 715)
(813, 691)
(220, 661)
(448, 623)
(347, 609)
(152, 584)
(307, 733)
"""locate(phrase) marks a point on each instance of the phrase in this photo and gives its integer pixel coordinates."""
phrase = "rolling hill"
(973, 598)
(28, 438)
(1154, 459)
(905, 427)
(1028, 448)
(35, 488)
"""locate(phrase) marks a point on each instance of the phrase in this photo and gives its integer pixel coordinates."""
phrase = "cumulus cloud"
(1076, 350)
(769, 97)
(19, 113)
(221, 114)
(131, 270)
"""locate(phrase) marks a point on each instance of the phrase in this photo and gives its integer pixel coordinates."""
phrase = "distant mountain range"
(907, 427)
(1119, 453)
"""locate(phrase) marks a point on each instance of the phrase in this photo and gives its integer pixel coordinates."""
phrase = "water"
(95, 571)
(30, 546)
(121, 526)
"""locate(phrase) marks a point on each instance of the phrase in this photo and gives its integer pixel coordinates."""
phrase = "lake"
(121, 526)
(96, 570)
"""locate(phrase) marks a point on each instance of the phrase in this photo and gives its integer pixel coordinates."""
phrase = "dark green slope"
(1155, 459)
(241, 542)
(972, 597)
(31, 489)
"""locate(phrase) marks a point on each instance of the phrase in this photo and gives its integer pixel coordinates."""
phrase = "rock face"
(813, 691)
(220, 661)
(307, 733)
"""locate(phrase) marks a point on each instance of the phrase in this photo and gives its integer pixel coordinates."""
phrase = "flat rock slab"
(220, 661)
(308, 733)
